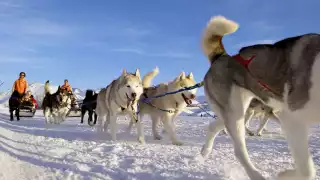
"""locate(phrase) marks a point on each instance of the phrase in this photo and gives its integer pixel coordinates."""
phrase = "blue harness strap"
(175, 92)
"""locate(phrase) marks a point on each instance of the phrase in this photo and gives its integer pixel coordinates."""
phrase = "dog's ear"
(124, 72)
(181, 76)
(190, 76)
(137, 73)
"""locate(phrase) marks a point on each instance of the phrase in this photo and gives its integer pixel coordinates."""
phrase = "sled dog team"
(280, 80)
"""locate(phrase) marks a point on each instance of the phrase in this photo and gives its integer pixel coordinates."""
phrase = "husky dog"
(120, 98)
(166, 108)
(89, 104)
(285, 76)
(258, 109)
(55, 105)
(15, 104)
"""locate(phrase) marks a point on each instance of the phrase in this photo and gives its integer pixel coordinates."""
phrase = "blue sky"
(89, 42)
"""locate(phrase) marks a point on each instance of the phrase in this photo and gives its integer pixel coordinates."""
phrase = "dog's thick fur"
(14, 105)
(259, 110)
(89, 104)
(291, 69)
(120, 98)
(55, 106)
(158, 107)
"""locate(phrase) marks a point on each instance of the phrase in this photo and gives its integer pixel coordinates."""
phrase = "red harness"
(245, 63)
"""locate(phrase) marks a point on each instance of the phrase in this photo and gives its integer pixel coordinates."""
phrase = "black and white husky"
(284, 75)
(55, 106)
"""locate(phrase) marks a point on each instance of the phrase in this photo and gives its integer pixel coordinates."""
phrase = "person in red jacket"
(34, 102)
(28, 98)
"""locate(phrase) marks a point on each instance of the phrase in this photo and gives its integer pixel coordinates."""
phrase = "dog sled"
(27, 109)
(75, 110)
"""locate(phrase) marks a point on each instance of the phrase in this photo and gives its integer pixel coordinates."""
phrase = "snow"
(31, 150)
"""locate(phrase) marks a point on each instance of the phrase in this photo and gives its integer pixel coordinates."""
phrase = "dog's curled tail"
(46, 87)
(217, 27)
(147, 79)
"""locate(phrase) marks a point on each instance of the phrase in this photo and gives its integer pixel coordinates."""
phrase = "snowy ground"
(29, 150)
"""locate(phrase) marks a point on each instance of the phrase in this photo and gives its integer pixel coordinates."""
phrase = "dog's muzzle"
(133, 97)
(188, 100)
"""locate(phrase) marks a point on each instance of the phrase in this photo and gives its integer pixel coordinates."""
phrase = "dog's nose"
(133, 95)
(192, 96)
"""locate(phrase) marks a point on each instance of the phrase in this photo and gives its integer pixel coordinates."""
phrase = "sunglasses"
(22, 75)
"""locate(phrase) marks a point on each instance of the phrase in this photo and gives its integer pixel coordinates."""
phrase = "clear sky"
(89, 42)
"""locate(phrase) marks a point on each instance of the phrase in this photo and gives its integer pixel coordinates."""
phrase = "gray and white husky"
(284, 75)
(120, 98)
(168, 107)
(55, 106)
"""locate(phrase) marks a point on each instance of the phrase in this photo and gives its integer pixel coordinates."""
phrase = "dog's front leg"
(106, 123)
(130, 125)
(248, 117)
(139, 128)
(155, 122)
(18, 114)
(11, 114)
(83, 112)
(166, 120)
(263, 123)
(63, 117)
(173, 123)
(113, 126)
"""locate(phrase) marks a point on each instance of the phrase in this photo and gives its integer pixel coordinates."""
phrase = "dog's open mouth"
(187, 100)
(130, 99)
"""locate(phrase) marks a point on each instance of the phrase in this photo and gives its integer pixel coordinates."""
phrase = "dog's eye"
(128, 86)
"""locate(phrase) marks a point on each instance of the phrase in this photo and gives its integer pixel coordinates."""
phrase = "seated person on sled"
(20, 85)
(28, 100)
(66, 86)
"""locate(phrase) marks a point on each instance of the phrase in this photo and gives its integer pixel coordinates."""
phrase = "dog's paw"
(250, 133)
(292, 174)
(205, 152)
(177, 143)
(141, 140)
(259, 134)
(257, 176)
(157, 137)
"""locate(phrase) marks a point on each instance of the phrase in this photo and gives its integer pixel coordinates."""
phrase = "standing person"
(20, 85)
(66, 86)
